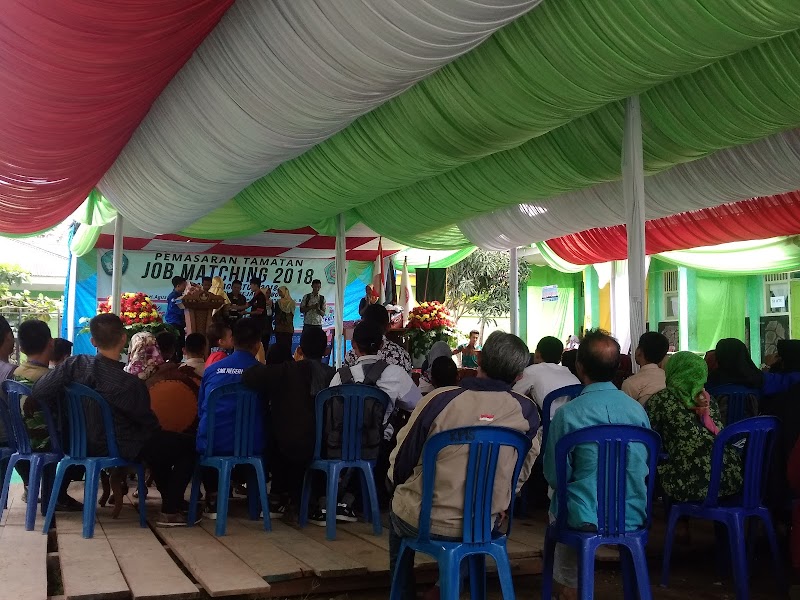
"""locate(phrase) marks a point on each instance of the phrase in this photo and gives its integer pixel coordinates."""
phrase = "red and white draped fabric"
(758, 218)
(362, 244)
(76, 80)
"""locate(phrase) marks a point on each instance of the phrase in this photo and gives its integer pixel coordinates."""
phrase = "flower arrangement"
(138, 313)
(135, 308)
(429, 323)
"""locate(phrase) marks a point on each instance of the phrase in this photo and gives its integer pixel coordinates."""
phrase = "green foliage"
(23, 304)
(479, 285)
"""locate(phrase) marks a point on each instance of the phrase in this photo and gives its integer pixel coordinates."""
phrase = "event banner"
(152, 272)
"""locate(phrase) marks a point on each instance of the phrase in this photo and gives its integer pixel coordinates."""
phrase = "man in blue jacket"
(246, 343)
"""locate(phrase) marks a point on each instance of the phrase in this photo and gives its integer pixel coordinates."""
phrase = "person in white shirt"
(194, 352)
(650, 355)
(394, 380)
(546, 374)
(403, 394)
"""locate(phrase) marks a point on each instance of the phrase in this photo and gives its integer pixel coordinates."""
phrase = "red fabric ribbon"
(76, 78)
(754, 219)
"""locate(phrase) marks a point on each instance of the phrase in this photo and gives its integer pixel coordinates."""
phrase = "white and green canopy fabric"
(437, 124)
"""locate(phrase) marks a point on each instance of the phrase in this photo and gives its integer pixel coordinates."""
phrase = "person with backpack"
(403, 394)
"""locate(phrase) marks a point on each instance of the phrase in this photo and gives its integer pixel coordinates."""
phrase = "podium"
(198, 310)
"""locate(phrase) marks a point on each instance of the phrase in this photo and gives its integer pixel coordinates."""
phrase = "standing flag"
(377, 274)
(406, 297)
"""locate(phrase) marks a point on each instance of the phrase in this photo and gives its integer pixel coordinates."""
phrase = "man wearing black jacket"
(170, 455)
(291, 388)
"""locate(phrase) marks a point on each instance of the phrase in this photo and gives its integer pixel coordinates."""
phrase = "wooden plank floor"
(23, 561)
(124, 561)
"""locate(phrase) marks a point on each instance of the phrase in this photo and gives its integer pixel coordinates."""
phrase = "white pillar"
(116, 269)
(683, 309)
(341, 282)
(71, 285)
(633, 191)
(513, 290)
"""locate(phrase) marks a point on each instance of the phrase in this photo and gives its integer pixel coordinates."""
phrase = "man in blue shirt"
(174, 315)
(246, 343)
(601, 403)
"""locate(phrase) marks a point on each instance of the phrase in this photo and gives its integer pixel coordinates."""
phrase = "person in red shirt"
(220, 342)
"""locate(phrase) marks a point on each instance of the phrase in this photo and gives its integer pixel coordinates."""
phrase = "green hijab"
(686, 376)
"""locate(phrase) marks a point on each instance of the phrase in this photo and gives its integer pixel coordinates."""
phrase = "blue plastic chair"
(612, 453)
(736, 400)
(760, 434)
(248, 413)
(80, 400)
(353, 396)
(40, 476)
(570, 392)
(10, 448)
(479, 538)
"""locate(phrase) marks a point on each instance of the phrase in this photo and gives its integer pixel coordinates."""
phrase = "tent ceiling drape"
(435, 123)
(76, 78)
(754, 219)
(362, 243)
(767, 167)
(272, 80)
(417, 148)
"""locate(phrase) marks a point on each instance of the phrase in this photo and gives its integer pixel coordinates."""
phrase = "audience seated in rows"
(601, 403)
(291, 388)
(486, 400)
(688, 420)
(650, 355)
(389, 352)
(170, 455)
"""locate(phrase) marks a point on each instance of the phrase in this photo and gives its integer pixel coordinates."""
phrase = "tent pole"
(71, 286)
(633, 192)
(116, 269)
(341, 281)
(513, 291)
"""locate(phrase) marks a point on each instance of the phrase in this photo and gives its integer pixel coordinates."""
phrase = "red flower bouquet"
(135, 308)
(429, 323)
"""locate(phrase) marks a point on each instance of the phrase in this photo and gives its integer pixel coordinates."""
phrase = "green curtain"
(93, 214)
(757, 257)
(550, 318)
(437, 285)
(720, 309)
(439, 259)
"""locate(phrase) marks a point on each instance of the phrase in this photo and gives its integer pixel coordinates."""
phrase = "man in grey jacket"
(486, 400)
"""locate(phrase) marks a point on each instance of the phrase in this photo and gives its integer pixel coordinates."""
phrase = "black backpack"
(372, 433)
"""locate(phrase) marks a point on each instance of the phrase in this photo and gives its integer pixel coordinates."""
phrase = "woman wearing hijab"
(688, 420)
(144, 357)
(284, 318)
(218, 289)
(438, 350)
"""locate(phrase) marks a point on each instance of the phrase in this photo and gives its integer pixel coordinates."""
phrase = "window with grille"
(669, 280)
(776, 293)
